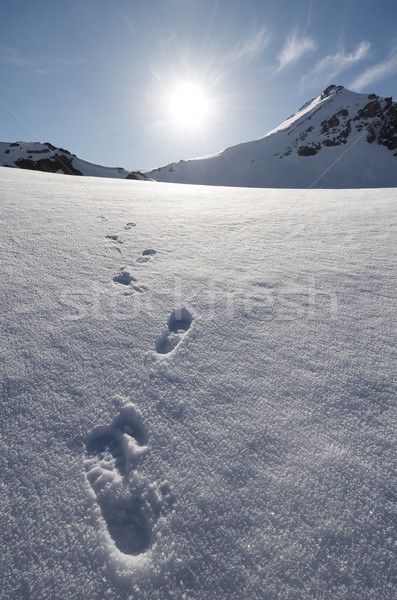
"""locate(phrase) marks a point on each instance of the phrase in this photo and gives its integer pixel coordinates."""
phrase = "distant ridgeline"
(341, 139)
(49, 158)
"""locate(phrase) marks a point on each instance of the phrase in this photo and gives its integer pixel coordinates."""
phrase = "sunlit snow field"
(197, 391)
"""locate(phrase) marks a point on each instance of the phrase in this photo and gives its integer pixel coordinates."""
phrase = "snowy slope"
(241, 447)
(339, 140)
(46, 157)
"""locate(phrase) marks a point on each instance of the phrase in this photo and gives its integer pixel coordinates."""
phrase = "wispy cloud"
(44, 66)
(10, 56)
(294, 48)
(251, 47)
(332, 65)
(379, 71)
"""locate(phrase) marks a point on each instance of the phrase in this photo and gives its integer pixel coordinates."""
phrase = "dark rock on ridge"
(49, 165)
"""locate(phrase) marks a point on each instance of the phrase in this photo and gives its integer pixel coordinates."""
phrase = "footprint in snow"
(179, 323)
(125, 278)
(129, 504)
(147, 255)
(114, 238)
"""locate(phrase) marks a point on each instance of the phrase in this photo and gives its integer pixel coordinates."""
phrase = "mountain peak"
(331, 90)
(341, 139)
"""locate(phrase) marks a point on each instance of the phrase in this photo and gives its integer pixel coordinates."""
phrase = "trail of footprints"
(129, 503)
(179, 321)
(124, 277)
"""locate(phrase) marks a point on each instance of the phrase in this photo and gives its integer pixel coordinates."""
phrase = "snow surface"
(275, 161)
(197, 391)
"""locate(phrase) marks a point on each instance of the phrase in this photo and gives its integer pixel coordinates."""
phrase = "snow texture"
(217, 421)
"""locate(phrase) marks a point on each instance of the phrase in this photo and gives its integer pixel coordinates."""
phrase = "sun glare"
(188, 106)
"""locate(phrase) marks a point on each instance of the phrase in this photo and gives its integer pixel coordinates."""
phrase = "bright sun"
(188, 106)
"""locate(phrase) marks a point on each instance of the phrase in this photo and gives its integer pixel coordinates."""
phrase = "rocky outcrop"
(308, 150)
(136, 176)
(388, 132)
(55, 164)
(370, 110)
(334, 121)
(377, 118)
(331, 123)
(331, 89)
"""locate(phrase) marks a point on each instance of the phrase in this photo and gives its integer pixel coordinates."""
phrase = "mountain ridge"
(37, 156)
(340, 139)
(312, 142)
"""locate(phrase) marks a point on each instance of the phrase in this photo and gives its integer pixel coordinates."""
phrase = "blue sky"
(94, 76)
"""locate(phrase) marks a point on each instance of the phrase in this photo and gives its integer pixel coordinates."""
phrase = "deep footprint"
(147, 255)
(179, 323)
(126, 509)
(124, 278)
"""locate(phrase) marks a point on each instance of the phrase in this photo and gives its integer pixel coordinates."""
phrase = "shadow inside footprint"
(179, 323)
(180, 320)
(122, 498)
(128, 524)
(114, 238)
(129, 421)
(147, 255)
(105, 445)
(124, 278)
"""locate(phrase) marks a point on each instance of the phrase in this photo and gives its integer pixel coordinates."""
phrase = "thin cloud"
(294, 48)
(379, 71)
(332, 65)
(10, 56)
(252, 47)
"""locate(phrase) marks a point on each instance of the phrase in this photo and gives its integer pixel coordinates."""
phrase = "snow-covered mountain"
(340, 139)
(46, 157)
